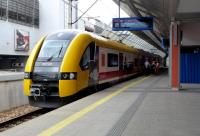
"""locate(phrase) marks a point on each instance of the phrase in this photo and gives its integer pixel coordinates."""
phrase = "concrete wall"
(7, 38)
(51, 19)
(191, 33)
(11, 90)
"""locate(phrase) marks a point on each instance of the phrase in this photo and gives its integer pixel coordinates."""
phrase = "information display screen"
(132, 23)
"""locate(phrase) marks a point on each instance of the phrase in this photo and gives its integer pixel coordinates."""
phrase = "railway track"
(23, 118)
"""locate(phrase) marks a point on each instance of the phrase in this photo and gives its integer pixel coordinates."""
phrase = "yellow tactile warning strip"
(74, 117)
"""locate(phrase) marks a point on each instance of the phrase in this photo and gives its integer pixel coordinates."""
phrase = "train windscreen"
(53, 49)
(55, 46)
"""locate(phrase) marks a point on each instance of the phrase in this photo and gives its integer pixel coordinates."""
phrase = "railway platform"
(11, 84)
(144, 106)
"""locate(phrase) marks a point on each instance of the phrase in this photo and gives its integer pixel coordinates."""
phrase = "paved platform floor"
(138, 107)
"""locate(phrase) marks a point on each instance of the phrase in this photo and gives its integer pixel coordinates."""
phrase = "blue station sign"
(132, 24)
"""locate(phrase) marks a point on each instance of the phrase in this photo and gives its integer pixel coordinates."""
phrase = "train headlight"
(71, 76)
(27, 75)
(68, 76)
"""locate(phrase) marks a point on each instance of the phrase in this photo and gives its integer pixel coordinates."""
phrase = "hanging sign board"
(132, 24)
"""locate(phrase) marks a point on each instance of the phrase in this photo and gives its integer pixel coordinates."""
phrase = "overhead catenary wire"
(73, 6)
(84, 12)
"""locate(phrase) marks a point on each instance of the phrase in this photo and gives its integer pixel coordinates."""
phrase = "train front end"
(43, 78)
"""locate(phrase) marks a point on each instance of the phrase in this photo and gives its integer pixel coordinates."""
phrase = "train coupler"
(39, 90)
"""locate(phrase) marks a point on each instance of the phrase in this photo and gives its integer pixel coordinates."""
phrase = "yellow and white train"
(66, 62)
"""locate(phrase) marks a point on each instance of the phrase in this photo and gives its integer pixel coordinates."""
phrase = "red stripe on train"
(112, 74)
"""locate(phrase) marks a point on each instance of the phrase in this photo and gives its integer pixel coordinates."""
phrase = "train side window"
(112, 60)
(136, 62)
(85, 59)
(103, 60)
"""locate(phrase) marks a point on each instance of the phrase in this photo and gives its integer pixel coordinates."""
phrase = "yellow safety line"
(60, 125)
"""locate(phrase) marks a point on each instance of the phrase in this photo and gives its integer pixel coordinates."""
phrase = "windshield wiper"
(50, 58)
(59, 51)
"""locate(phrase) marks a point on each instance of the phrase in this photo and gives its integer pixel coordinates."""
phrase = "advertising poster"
(21, 40)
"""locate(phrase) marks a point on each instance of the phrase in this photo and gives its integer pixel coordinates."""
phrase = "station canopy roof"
(163, 11)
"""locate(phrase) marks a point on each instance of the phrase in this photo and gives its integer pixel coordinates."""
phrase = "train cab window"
(85, 59)
(112, 60)
(92, 51)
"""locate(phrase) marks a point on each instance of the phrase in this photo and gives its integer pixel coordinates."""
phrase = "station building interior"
(169, 16)
(174, 37)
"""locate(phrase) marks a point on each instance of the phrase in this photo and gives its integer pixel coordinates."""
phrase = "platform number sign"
(132, 24)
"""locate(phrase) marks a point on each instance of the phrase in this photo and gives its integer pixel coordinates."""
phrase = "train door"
(93, 64)
(121, 64)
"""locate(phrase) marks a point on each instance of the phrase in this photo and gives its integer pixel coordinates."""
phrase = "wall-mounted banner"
(132, 24)
(21, 40)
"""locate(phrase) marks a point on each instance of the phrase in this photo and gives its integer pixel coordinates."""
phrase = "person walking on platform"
(153, 67)
(157, 67)
(147, 66)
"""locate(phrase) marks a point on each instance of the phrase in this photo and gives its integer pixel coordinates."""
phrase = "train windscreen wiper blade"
(51, 57)
(60, 50)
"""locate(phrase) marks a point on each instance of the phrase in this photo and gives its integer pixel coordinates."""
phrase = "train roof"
(101, 41)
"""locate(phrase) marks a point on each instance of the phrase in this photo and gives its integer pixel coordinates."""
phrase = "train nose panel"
(45, 76)
(67, 87)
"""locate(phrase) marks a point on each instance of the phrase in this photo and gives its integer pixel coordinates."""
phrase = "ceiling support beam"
(146, 12)
(133, 8)
(139, 5)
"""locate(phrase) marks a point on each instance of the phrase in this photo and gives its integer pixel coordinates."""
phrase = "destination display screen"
(133, 23)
